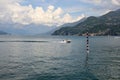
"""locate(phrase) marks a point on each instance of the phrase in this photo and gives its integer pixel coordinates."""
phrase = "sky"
(52, 12)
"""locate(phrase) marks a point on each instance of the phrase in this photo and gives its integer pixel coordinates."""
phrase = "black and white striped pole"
(87, 51)
(87, 47)
(87, 43)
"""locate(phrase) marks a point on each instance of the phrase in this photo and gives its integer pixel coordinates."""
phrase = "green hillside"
(108, 24)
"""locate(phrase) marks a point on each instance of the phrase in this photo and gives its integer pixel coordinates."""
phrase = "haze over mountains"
(108, 24)
(3, 33)
(32, 29)
(24, 29)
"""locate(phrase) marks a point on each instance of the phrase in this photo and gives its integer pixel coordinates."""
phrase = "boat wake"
(24, 41)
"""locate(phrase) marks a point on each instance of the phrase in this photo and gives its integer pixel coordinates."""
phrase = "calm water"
(45, 58)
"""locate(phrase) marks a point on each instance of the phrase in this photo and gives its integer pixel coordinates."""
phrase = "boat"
(65, 41)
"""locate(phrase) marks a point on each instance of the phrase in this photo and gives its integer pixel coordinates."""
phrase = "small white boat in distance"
(65, 41)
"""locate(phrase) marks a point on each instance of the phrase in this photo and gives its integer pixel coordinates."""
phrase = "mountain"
(65, 25)
(108, 24)
(3, 33)
(18, 29)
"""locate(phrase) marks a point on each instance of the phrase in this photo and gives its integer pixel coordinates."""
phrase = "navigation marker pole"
(87, 46)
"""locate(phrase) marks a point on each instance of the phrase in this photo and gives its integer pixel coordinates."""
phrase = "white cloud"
(67, 18)
(12, 11)
(116, 2)
(99, 7)
(105, 3)
(4, 2)
(43, 0)
(92, 1)
(79, 18)
(105, 12)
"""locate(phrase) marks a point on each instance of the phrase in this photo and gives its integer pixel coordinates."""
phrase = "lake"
(45, 58)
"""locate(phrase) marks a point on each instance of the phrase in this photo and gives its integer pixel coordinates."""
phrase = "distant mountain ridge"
(3, 33)
(19, 29)
(108, 24)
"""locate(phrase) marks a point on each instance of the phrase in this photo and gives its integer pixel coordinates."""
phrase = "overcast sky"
(52, 12)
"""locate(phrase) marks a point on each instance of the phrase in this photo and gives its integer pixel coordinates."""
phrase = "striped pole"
(87, 48)
(87, 52)
(87, 45)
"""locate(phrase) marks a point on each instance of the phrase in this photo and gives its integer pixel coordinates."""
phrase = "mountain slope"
(108, 24)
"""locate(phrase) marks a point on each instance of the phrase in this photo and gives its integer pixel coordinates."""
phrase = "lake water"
(45, 58)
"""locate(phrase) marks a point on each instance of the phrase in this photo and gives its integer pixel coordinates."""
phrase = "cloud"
(116, 2)
(98, 7)
(13, 12)
(43, 0)
(92, 1)
(105, 12)
(103, 2)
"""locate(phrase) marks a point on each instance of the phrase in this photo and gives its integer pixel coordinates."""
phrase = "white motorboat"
(65, 41)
